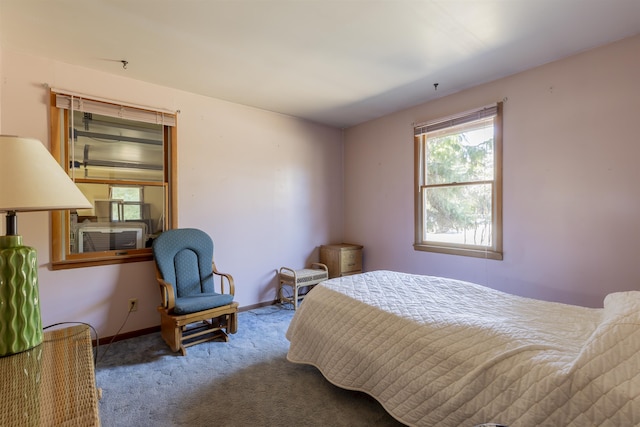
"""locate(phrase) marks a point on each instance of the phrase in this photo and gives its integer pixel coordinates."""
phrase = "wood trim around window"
(60, 219)
(495, 253)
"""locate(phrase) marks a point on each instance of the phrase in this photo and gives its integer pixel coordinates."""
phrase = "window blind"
(458, 119)
(75, 102)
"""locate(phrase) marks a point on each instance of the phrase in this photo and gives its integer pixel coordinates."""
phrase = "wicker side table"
(297, 279)
(51, 384)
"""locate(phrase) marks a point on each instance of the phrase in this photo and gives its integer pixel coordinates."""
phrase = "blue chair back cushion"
(184, 257)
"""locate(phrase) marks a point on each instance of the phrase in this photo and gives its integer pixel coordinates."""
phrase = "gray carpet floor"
(244, 382)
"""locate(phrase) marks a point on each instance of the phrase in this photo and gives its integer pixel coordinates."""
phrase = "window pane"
(128, 194)
(110, 148)
(130, 198)
(458, 214)
(107, 147)
(131, 211)
(462, 153)
(116, 224)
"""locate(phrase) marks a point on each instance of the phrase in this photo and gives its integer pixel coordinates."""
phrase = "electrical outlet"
(133, 304)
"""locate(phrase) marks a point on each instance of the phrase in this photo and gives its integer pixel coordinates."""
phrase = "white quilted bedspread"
(441, 352)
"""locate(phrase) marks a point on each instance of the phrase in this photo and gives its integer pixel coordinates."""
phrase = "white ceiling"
(334, 62)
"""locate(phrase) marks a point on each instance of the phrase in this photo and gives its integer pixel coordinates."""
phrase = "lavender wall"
(571, 197)
(267, 187)
(271, 188)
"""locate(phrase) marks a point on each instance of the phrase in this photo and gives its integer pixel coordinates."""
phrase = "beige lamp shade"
(32, 180)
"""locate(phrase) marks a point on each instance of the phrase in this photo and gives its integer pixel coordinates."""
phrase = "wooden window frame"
(495, 251)
(61, 258)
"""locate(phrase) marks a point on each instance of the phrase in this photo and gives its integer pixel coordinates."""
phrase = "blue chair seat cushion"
(200, 302)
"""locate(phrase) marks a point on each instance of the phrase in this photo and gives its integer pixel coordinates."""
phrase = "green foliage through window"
(458, 182)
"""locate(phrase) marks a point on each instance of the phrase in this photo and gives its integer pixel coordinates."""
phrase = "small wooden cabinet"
(341, 259)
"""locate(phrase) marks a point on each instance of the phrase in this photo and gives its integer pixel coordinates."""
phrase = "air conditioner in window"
(94, 238)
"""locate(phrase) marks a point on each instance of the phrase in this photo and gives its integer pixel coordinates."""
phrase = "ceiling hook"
(124, 64)
(435, 86)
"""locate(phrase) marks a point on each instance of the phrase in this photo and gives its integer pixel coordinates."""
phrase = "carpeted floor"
(244, 382)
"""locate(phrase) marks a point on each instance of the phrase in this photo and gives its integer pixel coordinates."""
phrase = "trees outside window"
(459, 184)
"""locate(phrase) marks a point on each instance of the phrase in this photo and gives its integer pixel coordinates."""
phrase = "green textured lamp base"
(20, 322)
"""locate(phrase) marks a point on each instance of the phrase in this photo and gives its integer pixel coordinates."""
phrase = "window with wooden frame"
(123, 159)
(458, 184)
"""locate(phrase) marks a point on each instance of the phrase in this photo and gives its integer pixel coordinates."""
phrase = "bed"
(442, 352)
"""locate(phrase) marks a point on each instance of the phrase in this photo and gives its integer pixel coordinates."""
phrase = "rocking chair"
(192, 311)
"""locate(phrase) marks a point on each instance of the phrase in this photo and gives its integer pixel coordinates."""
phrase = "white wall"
(266, 187)
(571, 181)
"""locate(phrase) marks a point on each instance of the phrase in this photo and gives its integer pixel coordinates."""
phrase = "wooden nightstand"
(341, 259)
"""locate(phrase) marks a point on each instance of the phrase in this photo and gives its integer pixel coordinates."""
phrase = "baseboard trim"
(127, 335)
(260, 304)
(146, 331)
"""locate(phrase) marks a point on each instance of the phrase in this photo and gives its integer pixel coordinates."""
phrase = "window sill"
(103, 260)
(451, 250)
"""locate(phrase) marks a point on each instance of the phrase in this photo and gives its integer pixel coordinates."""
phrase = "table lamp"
(30, 180)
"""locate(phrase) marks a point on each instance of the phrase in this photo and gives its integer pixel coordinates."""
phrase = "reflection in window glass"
(122, 158)
(116, 208)
(111, 148)
(131, 200)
